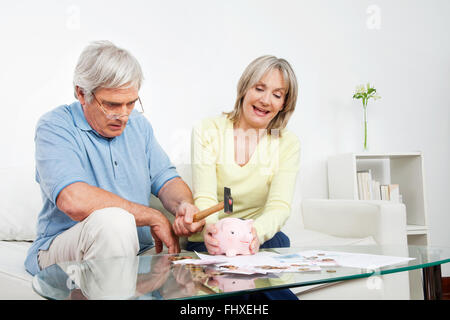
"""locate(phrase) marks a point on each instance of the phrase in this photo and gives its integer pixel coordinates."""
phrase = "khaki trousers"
(105, 233)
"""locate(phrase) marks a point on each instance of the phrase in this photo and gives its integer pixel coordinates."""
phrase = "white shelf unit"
(404, 169)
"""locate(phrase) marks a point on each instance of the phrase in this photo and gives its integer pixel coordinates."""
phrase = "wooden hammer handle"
(203, 214)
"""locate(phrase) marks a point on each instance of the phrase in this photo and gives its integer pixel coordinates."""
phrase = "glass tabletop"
(156, 277)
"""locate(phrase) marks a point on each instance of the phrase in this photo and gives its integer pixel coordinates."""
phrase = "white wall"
(193, 53)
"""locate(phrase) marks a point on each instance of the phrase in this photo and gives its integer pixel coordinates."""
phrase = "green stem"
(365, 125)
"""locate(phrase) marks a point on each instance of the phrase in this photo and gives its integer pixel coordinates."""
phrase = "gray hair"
(103, 65)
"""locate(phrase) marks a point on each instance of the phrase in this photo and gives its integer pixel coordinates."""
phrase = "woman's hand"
(254, 245)
(183, 224)
(211, 243)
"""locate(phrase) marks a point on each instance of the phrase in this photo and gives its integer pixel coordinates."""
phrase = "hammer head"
(227, 200)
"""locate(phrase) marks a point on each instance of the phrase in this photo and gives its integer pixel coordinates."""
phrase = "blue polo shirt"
(68, 150)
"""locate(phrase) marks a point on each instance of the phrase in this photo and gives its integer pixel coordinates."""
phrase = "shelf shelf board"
(390, 155)
(412, 229)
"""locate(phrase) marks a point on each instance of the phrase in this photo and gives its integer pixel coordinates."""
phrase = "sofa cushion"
(21, 202)
(308, 238)
(12, 257)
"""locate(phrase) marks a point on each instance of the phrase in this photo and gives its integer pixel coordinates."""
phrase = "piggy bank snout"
(234, 235)
(248, 236)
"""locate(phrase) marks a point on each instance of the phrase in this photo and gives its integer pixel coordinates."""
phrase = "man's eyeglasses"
(114, 116)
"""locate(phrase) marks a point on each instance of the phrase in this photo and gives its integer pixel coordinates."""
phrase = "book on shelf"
(371, 189)
(376, 193)
(360, 185)
(394, 192)
(384, 190)
(365, 184)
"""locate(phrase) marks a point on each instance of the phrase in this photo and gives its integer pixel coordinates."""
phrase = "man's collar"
(78, 116)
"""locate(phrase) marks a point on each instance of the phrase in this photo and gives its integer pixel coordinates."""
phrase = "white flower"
(361, 89)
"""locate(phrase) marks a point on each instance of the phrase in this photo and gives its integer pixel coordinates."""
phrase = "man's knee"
(115, 227)
(113, 219)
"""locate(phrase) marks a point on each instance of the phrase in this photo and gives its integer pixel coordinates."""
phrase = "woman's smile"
(260, 111)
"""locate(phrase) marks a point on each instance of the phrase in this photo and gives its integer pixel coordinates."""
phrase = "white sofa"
(312, 223)
(352, 222)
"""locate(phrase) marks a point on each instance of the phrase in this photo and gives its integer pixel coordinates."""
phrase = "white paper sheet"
(259, 263)
(358, 260)
(306, 261)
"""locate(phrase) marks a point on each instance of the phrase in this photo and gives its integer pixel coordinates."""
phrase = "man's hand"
(183, 224)
(162, 232)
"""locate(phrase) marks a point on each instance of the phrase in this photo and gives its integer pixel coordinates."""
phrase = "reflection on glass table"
(157, 278)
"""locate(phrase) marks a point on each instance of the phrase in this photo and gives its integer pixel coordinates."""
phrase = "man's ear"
(80, 95)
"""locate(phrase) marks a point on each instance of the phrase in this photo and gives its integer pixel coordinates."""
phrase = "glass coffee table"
(155, 277)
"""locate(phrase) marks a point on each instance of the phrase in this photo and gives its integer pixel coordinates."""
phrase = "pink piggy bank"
(234, 236)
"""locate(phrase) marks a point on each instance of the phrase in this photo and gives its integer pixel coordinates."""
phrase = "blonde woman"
(250, 151)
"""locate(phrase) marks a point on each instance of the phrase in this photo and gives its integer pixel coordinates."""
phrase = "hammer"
(226, 204)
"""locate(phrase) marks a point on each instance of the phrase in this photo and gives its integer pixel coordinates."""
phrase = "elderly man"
(97, 162)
